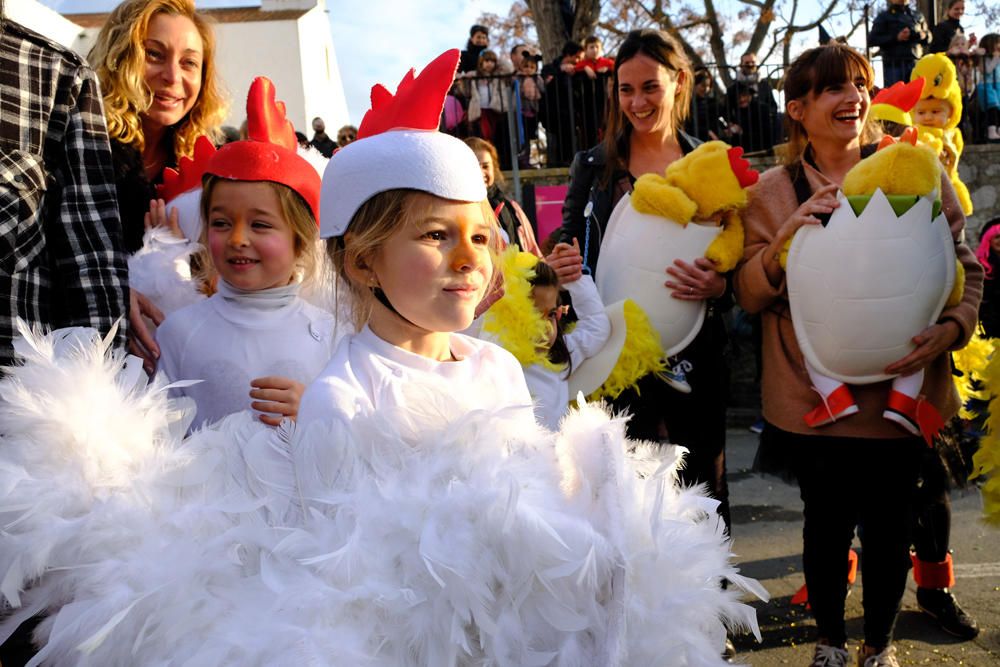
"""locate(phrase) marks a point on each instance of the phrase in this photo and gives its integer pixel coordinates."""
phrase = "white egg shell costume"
(640, 246)
(862, 286)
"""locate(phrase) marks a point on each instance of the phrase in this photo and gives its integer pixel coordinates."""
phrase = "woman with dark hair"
(860, 470)
(650, 102)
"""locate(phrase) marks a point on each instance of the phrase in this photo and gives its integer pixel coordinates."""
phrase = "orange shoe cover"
(933, 575)
(802, 595)
(840, 403)
(915, 415)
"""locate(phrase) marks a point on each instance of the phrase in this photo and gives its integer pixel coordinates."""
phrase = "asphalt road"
(767, 538)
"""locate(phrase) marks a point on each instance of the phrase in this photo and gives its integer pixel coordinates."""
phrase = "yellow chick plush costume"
(941, 83)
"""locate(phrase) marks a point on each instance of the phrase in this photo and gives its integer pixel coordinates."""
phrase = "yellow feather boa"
(513, 321)
(641, 355)
(979, 361)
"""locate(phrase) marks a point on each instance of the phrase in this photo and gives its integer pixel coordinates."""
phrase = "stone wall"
(980, 171)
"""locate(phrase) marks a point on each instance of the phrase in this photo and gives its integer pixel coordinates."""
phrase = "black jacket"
(134, 193)
(943, 33)
(887, 27)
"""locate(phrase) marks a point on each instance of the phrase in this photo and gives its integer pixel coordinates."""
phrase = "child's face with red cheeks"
(434, 270)
(251, 244)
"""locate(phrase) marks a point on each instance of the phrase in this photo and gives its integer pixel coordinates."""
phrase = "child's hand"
(277, 395)
(157, 216)
(566, 261)
(590, 72)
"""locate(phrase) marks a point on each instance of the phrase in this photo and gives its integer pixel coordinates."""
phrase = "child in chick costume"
(415, 515)
(937, 115)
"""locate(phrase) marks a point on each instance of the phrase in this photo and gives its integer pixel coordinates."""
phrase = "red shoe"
(839, 404)
(916, 415)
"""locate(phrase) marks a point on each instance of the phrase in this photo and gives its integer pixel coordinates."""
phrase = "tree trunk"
(551, 28)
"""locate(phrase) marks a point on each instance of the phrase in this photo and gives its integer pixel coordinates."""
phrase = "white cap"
(424, 160)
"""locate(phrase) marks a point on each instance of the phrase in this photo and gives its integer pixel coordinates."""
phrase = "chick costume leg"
(838, 402)
(902, 404)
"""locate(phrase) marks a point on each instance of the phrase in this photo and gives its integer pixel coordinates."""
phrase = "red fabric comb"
(418, 101)
(266, 119)
(189, 171)
(902, 95)
(741, 168)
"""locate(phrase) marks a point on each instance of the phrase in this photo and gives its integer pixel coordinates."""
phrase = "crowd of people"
(383, 356)
(569, 96)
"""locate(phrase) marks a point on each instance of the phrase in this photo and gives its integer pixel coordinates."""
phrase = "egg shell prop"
(640, 247)
(862, 286)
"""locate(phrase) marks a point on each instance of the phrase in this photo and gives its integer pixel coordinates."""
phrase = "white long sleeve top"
(367, 374)
(550, 389)
(231, 338)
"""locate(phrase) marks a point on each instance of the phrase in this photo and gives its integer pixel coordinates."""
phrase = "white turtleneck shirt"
(368, 374)
(235, 337)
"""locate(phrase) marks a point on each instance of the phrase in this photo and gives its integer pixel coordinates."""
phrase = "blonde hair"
(119, 58)
(372, 225)
(811, 73)
(294, 211)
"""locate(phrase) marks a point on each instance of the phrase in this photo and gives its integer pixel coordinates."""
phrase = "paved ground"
(768, 539)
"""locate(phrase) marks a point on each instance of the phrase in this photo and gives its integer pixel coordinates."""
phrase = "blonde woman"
(155, 62)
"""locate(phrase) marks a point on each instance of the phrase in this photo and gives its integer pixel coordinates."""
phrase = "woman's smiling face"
(646, 93)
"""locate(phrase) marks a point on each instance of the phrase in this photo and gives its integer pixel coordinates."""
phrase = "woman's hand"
(566, 261)
(140, 341)
(695, 282)
(157, 216)
(931, 343)
(277, 395)
(822, 202)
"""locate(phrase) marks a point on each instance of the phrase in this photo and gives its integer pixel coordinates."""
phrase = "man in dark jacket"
(321, 141)
(901, 34)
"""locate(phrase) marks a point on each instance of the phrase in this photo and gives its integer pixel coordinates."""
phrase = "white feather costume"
(405, 537)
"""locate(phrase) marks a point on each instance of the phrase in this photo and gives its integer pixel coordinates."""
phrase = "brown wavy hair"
(119, 58)
(664, 49)
(814, 71)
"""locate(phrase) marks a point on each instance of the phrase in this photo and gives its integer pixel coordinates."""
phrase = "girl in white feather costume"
(432, 527)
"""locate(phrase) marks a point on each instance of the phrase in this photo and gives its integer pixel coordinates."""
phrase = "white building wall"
(324, 89)
(263, 48)
(36, 16)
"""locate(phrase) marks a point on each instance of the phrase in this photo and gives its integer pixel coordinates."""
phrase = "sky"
(377, 41)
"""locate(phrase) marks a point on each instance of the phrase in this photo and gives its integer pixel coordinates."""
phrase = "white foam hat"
(399, 147)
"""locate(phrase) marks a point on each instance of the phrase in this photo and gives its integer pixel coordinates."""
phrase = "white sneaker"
(830, 656)
(887, 658)
(992, 133)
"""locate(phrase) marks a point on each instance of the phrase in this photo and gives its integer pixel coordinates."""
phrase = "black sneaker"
(941, 605)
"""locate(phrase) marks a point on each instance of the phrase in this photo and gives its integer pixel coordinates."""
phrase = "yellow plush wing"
(727, 248)
(653, 195)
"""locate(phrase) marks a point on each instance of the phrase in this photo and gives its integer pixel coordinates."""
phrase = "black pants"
(696, 421)
(932, 509)
(845, 482)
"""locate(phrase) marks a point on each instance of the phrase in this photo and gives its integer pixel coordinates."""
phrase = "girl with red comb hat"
(255, 343)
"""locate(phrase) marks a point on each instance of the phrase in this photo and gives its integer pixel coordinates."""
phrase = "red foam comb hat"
(894, 103)
(269, 153)
(189, 171)
(399, 147)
